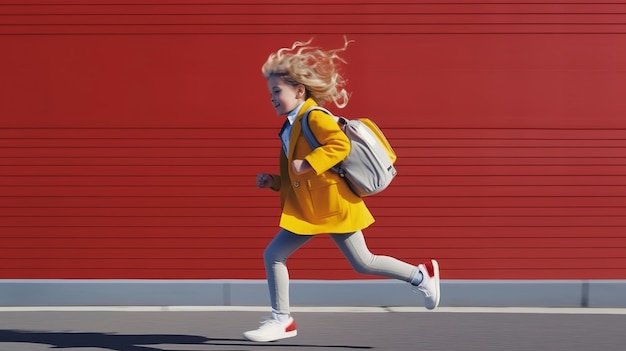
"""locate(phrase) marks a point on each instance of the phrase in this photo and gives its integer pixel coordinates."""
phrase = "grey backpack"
(368, 169)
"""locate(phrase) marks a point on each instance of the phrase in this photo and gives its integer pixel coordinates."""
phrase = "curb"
(454, 293)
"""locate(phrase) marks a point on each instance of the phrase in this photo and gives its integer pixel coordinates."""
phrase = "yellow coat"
(318, 201)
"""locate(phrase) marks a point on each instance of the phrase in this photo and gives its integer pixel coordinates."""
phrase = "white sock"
(281, 317)
(417, 278)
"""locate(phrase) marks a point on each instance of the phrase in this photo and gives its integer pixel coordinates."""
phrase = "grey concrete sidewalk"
(211, 331)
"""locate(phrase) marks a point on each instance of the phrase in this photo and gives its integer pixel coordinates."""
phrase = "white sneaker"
(272, 329)
(430, 284)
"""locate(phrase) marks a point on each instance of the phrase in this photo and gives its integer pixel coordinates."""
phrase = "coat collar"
(296, 128)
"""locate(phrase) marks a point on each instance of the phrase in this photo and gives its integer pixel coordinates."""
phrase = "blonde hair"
(312, 67)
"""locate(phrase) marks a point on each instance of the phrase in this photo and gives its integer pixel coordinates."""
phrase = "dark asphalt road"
(200, 331)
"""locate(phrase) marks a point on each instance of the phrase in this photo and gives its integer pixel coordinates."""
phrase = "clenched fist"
(264, 180)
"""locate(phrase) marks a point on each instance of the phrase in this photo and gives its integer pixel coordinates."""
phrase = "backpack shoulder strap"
(310, 137)
(306, 129)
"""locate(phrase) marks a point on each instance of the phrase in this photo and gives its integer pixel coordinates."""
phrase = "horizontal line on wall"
(272, 147)
(210, 157)
(100, 128)
(316, 33)
(117, 175)
(139, 147)
(198, 257)
(331, 13)
(272, 216)
(69, 273)
(272, 128)
(273, 226)
(251, 175)
(329, 24)
(505, 139)
(126, 237)
(207, 138)
(571, 158)
(96, 186)
(204, 258)
(74, 268)
(456, 175)
(272, 158)
(509, 165)
(270, 235)
(238, 186)
(273, 207)
(272, 195)
(58, 143)
(265, 139)
(244, 207)
(405, 164)
(364, 3)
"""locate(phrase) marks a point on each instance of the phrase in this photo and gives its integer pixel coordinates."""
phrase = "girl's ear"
(300, 92)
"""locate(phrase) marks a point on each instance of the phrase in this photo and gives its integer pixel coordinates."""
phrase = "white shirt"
(286, 133)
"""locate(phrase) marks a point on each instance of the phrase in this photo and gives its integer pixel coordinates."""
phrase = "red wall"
(131, 134)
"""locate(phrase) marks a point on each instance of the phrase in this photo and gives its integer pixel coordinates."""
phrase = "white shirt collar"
(291, 117)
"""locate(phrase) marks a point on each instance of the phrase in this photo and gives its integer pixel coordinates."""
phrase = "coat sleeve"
(277, 179)
(335, 144)
(276, 182)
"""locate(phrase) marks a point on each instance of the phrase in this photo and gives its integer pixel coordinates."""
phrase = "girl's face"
(285, 97)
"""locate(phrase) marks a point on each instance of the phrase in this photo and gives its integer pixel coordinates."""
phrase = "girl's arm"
(335, 144)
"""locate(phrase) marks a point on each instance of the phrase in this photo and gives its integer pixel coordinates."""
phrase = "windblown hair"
(312, 67)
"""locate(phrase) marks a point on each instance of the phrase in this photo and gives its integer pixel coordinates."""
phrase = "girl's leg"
(275, 256)
(355, 249)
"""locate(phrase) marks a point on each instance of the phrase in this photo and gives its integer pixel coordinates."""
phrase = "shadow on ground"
(129, 342)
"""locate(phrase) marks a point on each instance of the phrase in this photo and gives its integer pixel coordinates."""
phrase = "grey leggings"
(351, 245)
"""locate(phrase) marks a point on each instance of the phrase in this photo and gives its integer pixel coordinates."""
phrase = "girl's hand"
(301, 166)
(264, 180)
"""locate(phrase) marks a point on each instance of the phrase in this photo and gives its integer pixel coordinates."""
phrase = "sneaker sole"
(436, 269)
(289, 334)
